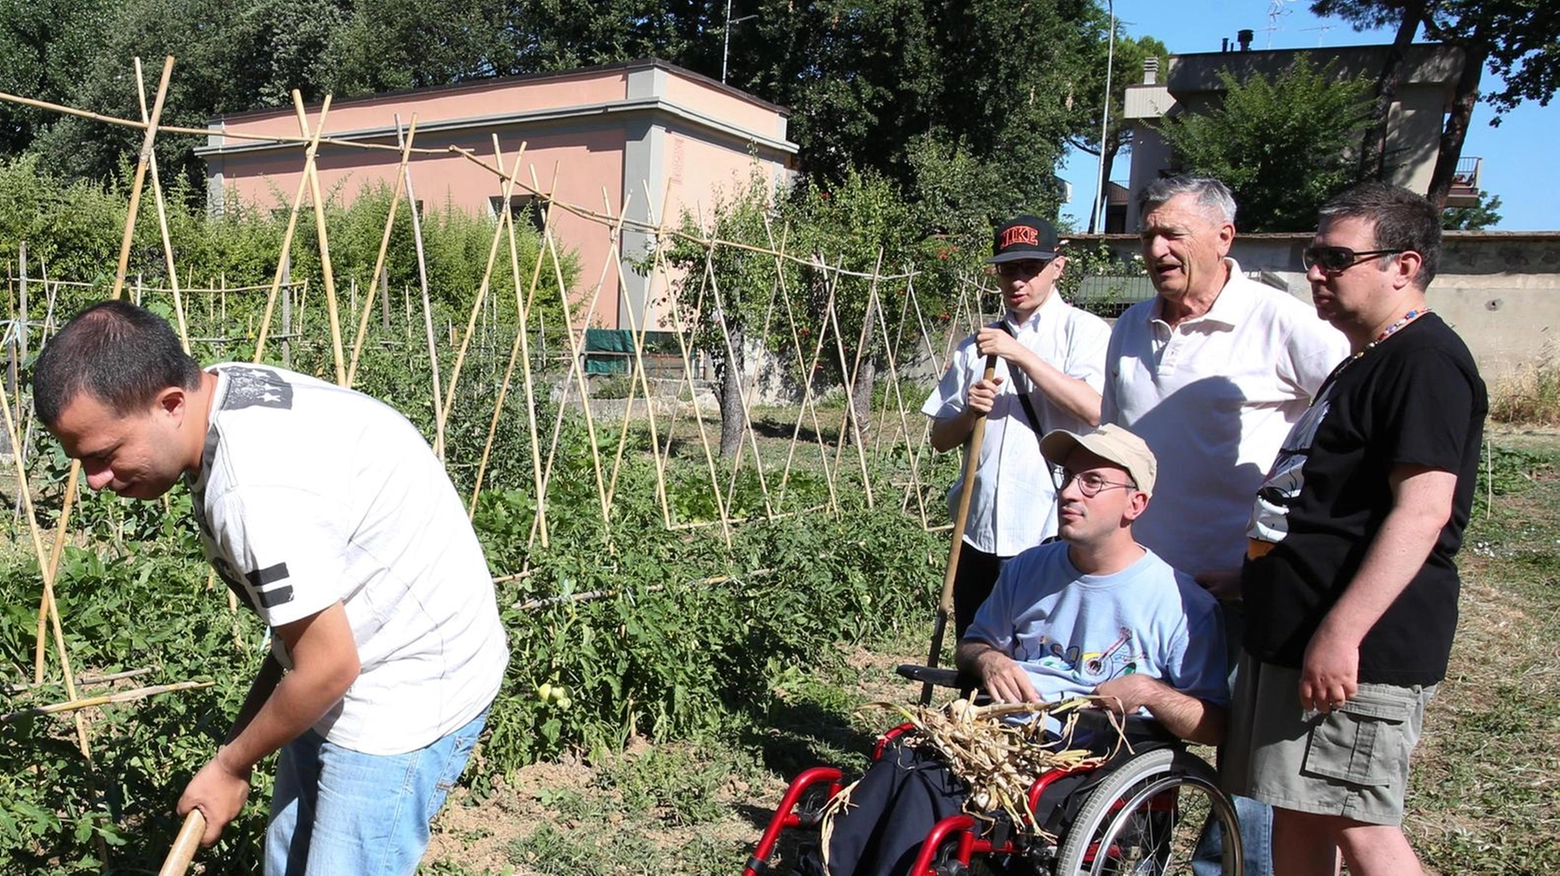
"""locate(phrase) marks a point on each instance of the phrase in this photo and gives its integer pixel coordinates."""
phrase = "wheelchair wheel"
(1145, 818)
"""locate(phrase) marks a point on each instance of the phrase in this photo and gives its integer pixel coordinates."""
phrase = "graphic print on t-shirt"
(1285, 480)
(256, 388)
(1118, 658)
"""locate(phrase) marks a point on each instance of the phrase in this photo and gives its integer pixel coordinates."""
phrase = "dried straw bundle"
(999, 759)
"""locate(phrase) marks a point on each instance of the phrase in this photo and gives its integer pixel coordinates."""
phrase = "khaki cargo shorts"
(1352, 762)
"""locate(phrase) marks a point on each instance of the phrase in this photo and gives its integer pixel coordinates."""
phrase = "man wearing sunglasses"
(1211, 372)
(1050, 360)
(1351, 588)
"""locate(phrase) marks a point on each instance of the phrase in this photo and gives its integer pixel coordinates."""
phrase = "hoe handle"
(184, 845)
(961, 517)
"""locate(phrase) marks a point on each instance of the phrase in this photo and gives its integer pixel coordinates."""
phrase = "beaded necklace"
(1387, 332)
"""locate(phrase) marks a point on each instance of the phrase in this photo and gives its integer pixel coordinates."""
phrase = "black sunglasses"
(1022, 268)
(1336, 259)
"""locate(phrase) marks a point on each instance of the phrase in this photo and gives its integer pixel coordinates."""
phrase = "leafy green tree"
(1476, 218)
(724, 291)
(1127, 70)
(1283, 146)
(1514, 39)
(42, 43)
(862, 227)
(260, 51)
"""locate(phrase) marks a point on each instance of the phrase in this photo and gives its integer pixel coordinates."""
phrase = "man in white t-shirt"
(326, 512)
(1212, 372)
(1049, 371)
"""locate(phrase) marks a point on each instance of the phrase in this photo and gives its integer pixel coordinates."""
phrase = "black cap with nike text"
(1023, 237)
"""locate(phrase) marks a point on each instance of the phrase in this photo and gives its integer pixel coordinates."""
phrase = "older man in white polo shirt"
(1211, 373)
(1050, 364)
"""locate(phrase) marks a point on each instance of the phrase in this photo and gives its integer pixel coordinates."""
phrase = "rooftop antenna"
(1321, 37)
(1276, 10)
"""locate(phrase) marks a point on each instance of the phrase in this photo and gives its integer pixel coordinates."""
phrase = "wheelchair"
(1140, 812)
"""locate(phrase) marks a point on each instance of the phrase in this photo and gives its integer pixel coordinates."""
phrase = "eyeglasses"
(1089, 483)
(1337, 259)
(1024, 268)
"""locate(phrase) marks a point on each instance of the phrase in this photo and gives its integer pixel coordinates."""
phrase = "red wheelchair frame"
(1124, 824)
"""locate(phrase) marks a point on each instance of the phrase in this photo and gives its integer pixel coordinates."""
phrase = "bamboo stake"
(808, 406)
(904, 423)
(505, 224)
(523, 308)
(124, 696)
(427, 305)
(839, 342)
(142, 162)
(577, 359)
(118, 291)
(378, 277)
(506, 189)
(638, 330)
(742, 408)
(277, 139)
(311, 173)
(46, 605)
(162, 218)
(693, 395)
(47, 573)
(283, 258)
(81, 680)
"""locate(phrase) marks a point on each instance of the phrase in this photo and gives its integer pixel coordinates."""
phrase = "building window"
(522, 209)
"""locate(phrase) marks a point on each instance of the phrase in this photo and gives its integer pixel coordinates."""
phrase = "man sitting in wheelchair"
(1093, 613)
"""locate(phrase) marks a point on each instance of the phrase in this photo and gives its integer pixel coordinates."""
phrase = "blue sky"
(1519, 164)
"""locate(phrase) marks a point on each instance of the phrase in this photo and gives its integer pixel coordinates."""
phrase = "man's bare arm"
(1184, 715)
(950, 432)
(1072, 395)
(325, 663)
(1421, 505)
(1001, 676)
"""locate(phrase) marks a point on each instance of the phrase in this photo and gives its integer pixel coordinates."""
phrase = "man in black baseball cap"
(1023, 238)
(1050, 367)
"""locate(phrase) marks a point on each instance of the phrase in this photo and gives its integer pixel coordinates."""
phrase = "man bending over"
(325, 511)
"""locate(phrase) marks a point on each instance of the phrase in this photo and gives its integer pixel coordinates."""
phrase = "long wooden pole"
(427, 305)
(960, 518)
(162, 218)
(379, 277)
(184, 845)
(311, 173)
(282, 259)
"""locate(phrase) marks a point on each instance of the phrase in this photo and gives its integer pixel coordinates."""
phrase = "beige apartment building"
(645, 134)
(1191, 83)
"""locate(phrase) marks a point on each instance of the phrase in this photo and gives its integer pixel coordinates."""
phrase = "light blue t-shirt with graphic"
(1072, 632)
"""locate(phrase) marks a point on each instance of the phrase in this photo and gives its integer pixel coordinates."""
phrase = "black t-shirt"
(1415, 399)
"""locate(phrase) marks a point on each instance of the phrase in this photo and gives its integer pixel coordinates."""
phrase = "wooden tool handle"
(961, 518)
(184, 845)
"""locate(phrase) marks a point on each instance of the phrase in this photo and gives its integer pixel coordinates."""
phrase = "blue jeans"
(1255, 819)
(1256, 840)
(338, 811)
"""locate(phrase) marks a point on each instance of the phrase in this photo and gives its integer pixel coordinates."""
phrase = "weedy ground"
(1485, 797)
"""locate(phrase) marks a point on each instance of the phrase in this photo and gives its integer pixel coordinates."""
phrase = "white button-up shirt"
(1014, 503)
(1214, 397)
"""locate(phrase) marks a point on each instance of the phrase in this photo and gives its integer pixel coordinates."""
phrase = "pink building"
(623, 130)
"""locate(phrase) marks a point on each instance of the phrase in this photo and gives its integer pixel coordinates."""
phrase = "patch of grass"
(1484, 796)
(1529, 396)
(675, 785)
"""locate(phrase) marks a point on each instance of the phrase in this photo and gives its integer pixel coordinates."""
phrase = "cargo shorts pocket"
(1362, 743)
